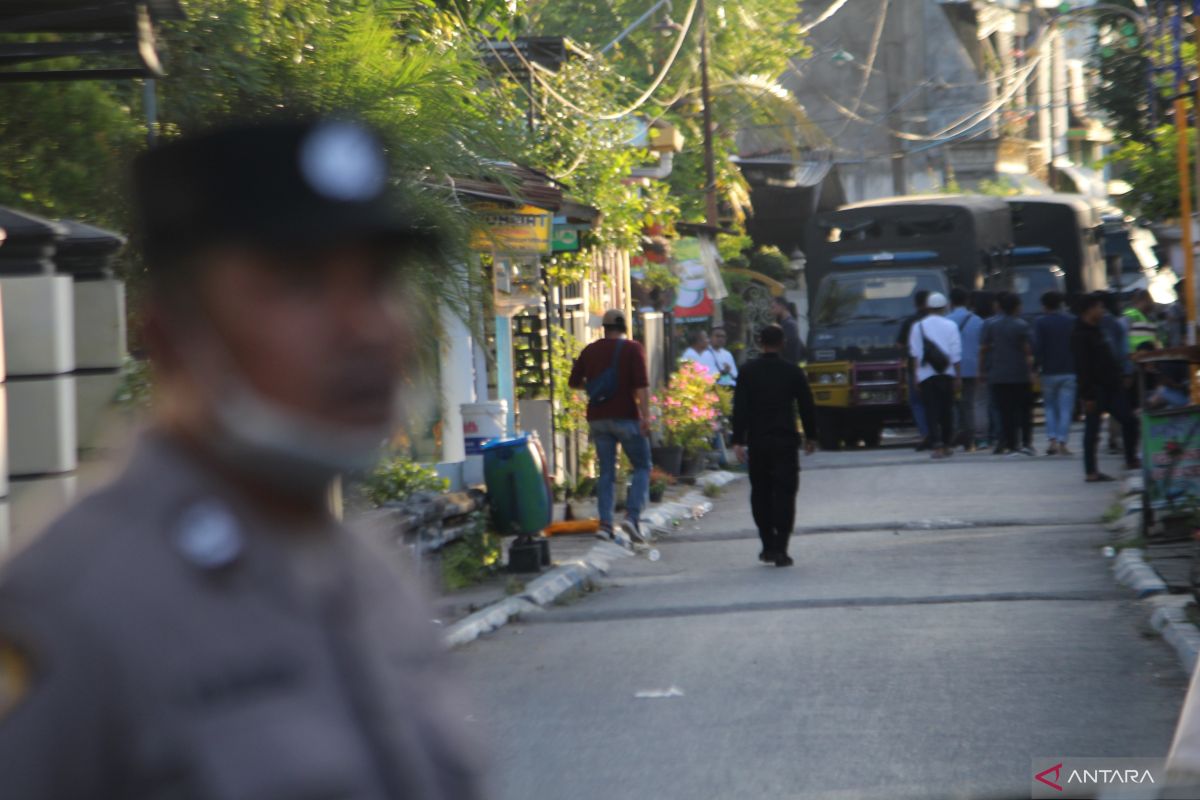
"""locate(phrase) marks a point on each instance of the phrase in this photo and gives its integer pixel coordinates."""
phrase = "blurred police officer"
(769, 393)
(202, 627)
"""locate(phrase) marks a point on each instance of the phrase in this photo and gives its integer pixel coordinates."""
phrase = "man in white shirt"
(701, 353)
(936, 345)
(726, 366)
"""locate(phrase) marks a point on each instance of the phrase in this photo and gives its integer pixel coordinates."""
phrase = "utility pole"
(1182, 155)
(1189, 274)
(711, 219)
(1056, 87)
(893, 66)
(710, 171)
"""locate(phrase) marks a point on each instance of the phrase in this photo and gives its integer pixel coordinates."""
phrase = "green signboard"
(565, 238)
(1171, 458)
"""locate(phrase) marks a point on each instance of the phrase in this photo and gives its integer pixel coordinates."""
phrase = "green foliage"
(136, 390)
(658, 276)
(407, 66)
(397, 478)
(1121, 92)
(660, 480)
(750, 42)
(591, 156)
(400, 64)
(712, 490)
(472, 558)
(1152, 172)
(1000, 187)
(570, 406)
(772, 263)
(1123, 61)
(62, 152)
(734, 249)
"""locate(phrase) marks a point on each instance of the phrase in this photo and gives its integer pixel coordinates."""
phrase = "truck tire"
(873, 435)
(829, 433)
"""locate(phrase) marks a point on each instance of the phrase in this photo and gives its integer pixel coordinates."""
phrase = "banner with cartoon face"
(697, 266)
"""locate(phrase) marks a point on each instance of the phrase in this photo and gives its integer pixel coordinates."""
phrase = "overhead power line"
(872, 52)
(829, 12)
(534, 71)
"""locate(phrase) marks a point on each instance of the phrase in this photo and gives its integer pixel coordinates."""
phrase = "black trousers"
(1015, 401)
(1116, 402)
(774, 480)
(937, 393)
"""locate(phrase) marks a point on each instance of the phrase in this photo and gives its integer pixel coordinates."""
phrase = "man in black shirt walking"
(769, 391)
(1099, 376)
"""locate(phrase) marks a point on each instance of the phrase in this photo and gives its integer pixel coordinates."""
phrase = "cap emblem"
(208, 535)
(342, 161)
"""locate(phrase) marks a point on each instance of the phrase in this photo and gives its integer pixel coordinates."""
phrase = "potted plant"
(659, 481)
(686, 415)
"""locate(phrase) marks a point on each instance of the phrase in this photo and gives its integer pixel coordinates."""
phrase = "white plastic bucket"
(482, 422)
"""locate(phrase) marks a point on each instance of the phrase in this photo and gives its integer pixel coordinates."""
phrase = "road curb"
(1169, 615)
(1171, 620)
(1131, 570)
(542, 591)
(578, 575)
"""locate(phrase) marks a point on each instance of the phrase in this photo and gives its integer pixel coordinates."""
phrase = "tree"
(62, 153)
(751, 44)
(407, 66)
(1152, 172)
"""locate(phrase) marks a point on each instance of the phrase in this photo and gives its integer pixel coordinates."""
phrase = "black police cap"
(284, 185)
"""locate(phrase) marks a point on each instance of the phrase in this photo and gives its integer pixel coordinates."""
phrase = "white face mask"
(284, 449)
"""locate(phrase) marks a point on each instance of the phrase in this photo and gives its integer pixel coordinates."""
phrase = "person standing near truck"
(970, 329)
(936, 348)
(914, 393)
(1053, 359)
(1007, 349)
(793, 348)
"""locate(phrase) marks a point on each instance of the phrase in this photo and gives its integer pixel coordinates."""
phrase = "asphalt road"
(946, 623)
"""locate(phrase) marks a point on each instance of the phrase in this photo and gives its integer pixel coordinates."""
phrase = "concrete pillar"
(42, 433)
(1060, 81)
(505, 385)
(39, 347)
(1044, 101)
(100, 351)
(457, 378)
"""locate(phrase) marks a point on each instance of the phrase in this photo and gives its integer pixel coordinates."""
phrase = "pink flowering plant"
(687, 413)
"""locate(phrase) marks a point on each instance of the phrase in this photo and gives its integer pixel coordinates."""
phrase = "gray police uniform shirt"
(177, 645)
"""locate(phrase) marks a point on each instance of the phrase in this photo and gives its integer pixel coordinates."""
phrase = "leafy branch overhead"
(412, 68)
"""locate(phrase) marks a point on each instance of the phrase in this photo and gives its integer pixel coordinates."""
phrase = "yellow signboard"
(514, 231)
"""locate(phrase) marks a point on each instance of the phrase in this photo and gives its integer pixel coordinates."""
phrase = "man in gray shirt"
(1007, 351)
(204, 627)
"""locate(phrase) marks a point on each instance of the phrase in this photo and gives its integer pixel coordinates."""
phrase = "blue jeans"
(606, 433)
(917, 405)
(1058, 395)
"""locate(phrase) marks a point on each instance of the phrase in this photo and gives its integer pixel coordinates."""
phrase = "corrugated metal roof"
(63, 16)
(783, 172)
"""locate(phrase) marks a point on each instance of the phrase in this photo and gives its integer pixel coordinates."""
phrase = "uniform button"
(208, 535)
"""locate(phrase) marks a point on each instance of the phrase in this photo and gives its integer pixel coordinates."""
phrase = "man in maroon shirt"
(622, 416)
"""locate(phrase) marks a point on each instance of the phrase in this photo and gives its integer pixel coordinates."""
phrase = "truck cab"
(865, 264)
(1031, 272)
(1057, 246)
(856, 360)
